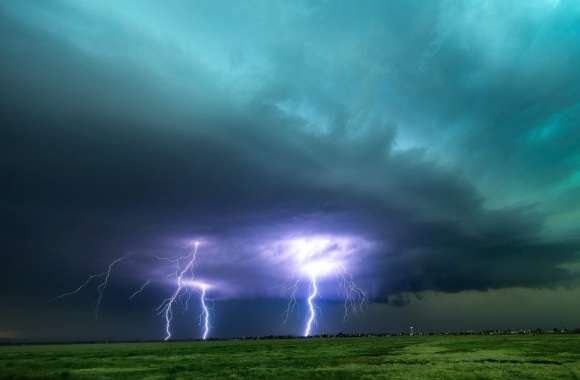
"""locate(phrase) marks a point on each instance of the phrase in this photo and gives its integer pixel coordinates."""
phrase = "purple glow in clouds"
(313, 260)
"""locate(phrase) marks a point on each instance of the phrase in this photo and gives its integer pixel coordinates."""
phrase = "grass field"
(436, 357)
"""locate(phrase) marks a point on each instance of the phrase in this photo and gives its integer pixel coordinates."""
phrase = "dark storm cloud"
(121, 130)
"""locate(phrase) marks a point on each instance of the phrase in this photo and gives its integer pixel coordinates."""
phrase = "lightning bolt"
(184, 275)
(313, 290)
(354, 297)
(103, 285)
(83, 285)
(311, 263)
(166, 306)
(292, 289)
(205, 312)
(140, 290)
(100, 288)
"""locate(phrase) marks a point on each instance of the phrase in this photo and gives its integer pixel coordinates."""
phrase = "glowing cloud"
(314, 258)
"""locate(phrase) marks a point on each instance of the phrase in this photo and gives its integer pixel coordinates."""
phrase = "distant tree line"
(410, 334)
(421, 333)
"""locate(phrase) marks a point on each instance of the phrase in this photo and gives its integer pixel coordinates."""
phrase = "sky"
(431, 149)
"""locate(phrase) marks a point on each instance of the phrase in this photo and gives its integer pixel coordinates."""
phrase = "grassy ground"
(438, 357)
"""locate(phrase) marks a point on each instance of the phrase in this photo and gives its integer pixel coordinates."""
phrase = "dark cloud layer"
(407, 125)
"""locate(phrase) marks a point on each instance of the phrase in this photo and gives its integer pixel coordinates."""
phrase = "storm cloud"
(445, 134)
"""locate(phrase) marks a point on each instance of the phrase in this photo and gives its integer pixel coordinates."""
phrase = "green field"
(436, 357)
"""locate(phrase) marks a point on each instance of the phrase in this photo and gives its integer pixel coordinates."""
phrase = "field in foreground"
(437, 357)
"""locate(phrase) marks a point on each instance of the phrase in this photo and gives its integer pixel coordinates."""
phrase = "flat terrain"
(437, 357)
